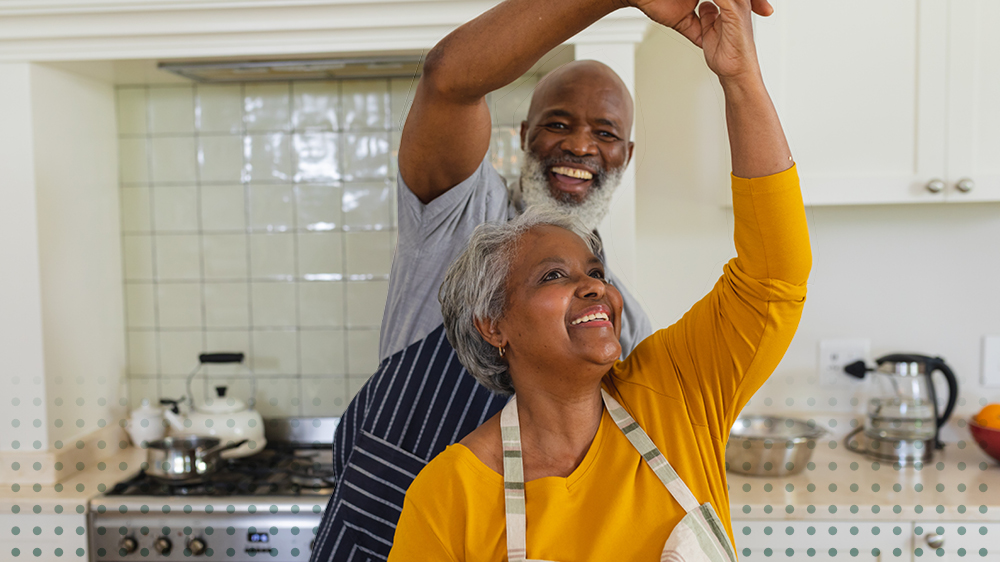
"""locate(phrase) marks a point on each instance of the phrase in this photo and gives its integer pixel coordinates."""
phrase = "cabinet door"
(961, 541)
(860, 90)
(973, 94)
(823, 540)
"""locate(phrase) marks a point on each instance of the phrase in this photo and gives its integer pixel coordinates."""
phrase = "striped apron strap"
(654, 458)
(513, 482)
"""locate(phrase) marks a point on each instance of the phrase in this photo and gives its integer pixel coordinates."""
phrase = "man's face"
(576, 141)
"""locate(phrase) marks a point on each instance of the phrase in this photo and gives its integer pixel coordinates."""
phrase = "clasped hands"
(722, 29)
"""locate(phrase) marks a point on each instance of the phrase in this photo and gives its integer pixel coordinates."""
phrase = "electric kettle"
(903, 422)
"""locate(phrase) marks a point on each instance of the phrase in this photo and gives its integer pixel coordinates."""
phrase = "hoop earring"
(502, 350)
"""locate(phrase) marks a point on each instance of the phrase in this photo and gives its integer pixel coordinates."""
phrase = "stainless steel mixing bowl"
(769, 446)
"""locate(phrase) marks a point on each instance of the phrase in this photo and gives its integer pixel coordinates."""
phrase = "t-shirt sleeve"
(726, 346)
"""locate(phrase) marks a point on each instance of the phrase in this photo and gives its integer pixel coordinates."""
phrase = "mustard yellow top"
(685, 385)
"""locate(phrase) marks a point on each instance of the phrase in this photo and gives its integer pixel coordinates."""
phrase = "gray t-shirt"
(431, 236)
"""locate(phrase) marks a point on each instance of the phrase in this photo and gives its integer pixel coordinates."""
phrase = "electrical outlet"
(835, 354)
(991, 361)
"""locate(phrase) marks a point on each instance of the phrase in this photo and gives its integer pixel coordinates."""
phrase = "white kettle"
(224, 417)
(145, 424)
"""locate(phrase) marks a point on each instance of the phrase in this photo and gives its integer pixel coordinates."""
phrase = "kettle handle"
(938, 364)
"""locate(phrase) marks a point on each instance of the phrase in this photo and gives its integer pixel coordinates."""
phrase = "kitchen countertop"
(73, 494)
(961, 483)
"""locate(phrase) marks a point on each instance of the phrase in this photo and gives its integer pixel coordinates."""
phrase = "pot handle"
(223, 447)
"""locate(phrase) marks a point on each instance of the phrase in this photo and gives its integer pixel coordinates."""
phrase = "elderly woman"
(595, 458)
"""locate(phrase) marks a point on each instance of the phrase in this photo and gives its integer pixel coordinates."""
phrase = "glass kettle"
(903, 421)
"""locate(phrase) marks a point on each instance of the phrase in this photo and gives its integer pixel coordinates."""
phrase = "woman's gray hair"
(475, 286)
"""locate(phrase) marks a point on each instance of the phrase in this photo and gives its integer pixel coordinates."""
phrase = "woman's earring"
(502, 350)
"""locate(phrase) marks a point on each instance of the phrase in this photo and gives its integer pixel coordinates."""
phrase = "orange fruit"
(989, 416)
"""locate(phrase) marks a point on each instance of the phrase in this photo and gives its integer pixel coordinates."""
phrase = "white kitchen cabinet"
(823, 540)
(959, 541)
(881, 99)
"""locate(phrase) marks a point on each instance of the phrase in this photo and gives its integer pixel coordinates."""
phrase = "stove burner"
(269, 472)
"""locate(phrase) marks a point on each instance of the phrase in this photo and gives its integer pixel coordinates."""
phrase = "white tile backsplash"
(220, 158)
(178, 257)
(220, 108)
(175, 208)
(174, 160)
(179, 305)
(171, 110)
(246, 211)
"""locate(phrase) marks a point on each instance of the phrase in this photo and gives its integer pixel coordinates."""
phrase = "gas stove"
(269, 504)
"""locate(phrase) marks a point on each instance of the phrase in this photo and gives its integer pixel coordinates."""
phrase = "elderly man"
(576, 143)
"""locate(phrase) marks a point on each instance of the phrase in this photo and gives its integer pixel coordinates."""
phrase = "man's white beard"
(535, 191)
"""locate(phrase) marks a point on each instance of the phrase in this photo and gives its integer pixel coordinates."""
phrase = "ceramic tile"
(272, 256)
(366, 104)
(509, 105)
(354, 384)
(179, 305)
(322, 352)
(131, 111)
(272, 208)
(178, 257)
(140, 388)
(175, 208)
(317, 157)
(175, 387)
(395, 138)
(223, 207)
(133, 161)
(321, 304)
(220, 108)
(316, 105)
(366, 206)
(401, 92)
(135, 209)
(275, 353)
(142, 353)
(366, 156)
(237, 341)
(227, 305)
(324, 396)
(366, 303)
(179, 351)
(320, 256)
(139, 305)
(137, 254)
(225, 256)
(278, 397)
(267, 158)
(318, 207)
(505, 152)
(266, 107)
(368, 253)
(273, 304)
(171, 109)
(362, 355)
(220, 159)
(174, 160)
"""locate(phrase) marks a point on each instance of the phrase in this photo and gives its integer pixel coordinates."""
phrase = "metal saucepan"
(769, 446)
(184, 458)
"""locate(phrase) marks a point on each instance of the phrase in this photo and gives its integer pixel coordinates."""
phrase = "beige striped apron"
(700, 535)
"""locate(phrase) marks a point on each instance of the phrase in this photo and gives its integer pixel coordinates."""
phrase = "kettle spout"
(175, 420)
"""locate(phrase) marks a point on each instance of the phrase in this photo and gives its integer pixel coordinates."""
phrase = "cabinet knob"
(197, 547)
(965, 185)
(935, 186)
(935, 540)
(128, 545)
(162, 546)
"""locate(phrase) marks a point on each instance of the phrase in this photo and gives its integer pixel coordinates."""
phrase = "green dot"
(876, 552)
(295, 552)
(58, 552)
(789, 508)
(983, 552)
(37, 552)
(768, 530)
(746, 531)
(983, 487)
(876, 530)
(789, 530)
(80, 531)
(961, 552)
(811, 530)
(897, 552)
(854, 487)
(811, 488)
(767, 552)
(79, 552)
(811, 552)
(982, 509)
(230, 552)
(789, 552)
(833, 552)
(746, 552)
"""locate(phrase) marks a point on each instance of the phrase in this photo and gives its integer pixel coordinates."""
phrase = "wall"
(909, 277)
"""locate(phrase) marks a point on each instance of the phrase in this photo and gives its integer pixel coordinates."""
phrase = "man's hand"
(681, 16)
(727, 39)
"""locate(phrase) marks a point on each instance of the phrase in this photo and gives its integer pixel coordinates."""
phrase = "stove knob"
(197, 547)
(162, 546)
(128, 544)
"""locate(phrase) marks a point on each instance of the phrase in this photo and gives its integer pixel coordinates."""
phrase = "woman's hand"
(727, 39)
(680, 15)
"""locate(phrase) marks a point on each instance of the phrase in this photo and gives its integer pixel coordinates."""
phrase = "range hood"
(301, 69)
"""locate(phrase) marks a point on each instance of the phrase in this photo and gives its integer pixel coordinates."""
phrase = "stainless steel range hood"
(302, 69)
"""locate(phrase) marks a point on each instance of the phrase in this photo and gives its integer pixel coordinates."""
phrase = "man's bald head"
(583, 82)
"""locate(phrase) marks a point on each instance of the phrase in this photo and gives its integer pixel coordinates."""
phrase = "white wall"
(909, 277)
(75, 148)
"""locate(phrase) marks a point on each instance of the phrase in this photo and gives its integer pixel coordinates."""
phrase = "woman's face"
(561, 313)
